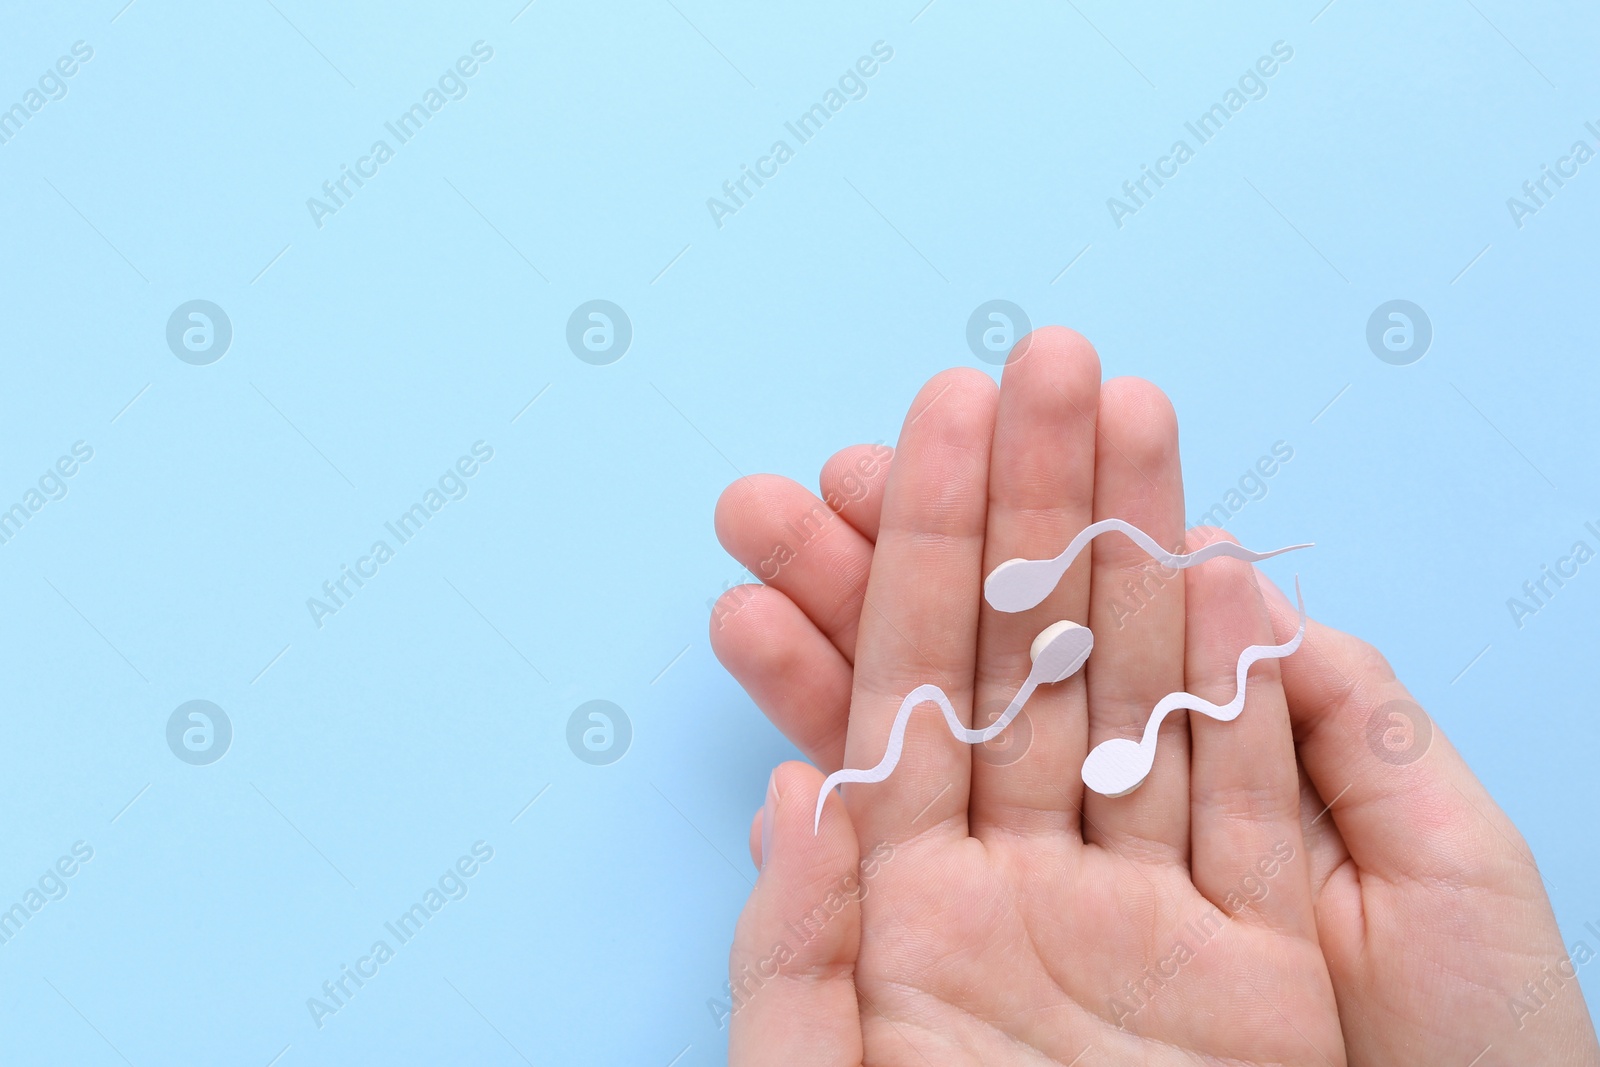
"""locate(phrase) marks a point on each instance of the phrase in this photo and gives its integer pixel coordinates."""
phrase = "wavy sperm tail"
(1021, 584)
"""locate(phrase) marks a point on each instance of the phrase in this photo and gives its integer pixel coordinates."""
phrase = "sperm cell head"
(1019, 584)
(1060, 651)
(1118, 766)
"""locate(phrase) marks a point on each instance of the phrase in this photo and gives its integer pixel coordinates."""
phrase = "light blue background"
(425, 315)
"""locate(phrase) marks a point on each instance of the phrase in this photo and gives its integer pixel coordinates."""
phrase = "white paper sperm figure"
(1020, 584)
(1057, 654)
(1115, 767)
(1119, 766)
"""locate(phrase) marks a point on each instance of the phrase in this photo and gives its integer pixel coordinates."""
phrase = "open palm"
(1433, 919)
(977, 906)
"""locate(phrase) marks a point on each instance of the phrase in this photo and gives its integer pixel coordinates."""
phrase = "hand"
(1430, 912)
(984, 910)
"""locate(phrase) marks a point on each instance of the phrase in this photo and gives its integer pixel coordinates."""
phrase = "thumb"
(792, 968)
(1401, 797)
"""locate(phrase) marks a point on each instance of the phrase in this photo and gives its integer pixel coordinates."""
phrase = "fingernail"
(769, 818)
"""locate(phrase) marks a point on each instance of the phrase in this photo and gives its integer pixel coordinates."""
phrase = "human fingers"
(852, 484)
(1431, 855)
(1041, 494)
(790, 973)
(920, 619)
(795, 543)
(1247, 854)
(1137, 614)
(1325, 851)
(1405, 803)
(795, 675)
